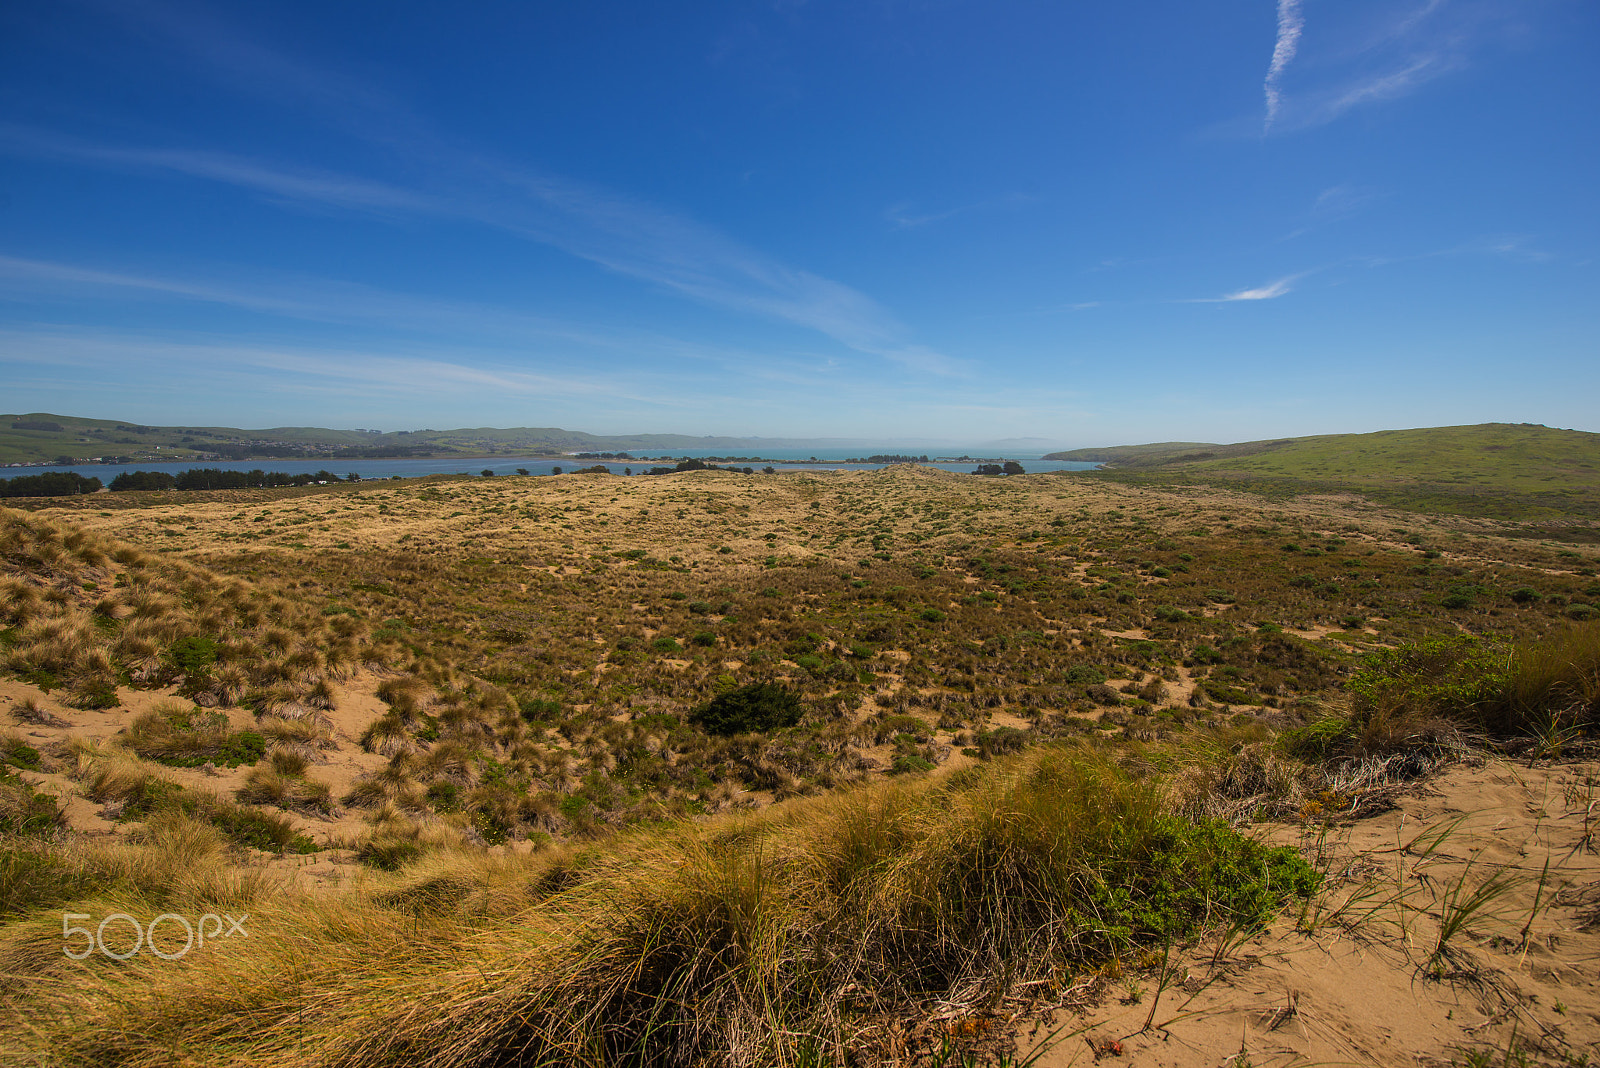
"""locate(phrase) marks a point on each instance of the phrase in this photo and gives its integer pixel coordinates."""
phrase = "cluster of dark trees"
(602, 456)
(212, 478)
(700, 465)
(51, 484)
(888, 458)
(1010, 467)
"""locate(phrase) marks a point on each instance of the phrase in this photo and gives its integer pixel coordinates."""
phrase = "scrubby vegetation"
(722, 767)
(744, 941)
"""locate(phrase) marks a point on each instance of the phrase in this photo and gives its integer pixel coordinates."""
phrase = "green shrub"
(388, 854)
(539, 709)
(1452, 676)
(704, 638)
(18, 754)
(1316, 741)
(755, 708)
(257, 830)
(909, 762)
(444, 795)
(1083, 675)
(34, 876)
(806, 643)
(931, 615)
(93, 693)
(191, 737)
(1491, 687)
(192, 655)
(1000, 741)
(665, 644)
(24, 812)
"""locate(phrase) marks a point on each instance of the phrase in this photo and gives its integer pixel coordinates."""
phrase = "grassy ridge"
(1493, 469)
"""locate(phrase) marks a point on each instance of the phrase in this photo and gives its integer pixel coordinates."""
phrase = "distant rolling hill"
(40, 437)
(1511, 470)
(1132, 454)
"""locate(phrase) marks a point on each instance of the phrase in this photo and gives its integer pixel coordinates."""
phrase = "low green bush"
(388, 854)
(755, 708)
(24, 811)
(1083, 675)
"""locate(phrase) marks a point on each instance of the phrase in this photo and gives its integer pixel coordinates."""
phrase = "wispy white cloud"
(246, 64)
(1365, 59)
(613, 231)
(1341, 201)
(121, 354)
(129, 374)
(1383, 85)
(1516, 247)
(287, 183)
(411, 316)
(313, 299)
(682, 255)
(1270, 291)
(621, 234)
(904, 218)
(1290, 25)
(1336, 203)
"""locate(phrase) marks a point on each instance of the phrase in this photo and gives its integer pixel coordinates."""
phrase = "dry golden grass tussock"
(715, 944)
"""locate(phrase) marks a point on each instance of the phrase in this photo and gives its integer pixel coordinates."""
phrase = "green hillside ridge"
(1507, 470)
(1121, 454)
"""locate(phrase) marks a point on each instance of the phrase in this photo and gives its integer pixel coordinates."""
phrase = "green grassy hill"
(1125, 454)
(1510, 470)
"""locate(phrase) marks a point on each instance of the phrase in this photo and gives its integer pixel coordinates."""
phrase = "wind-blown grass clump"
(1425, 695)
(183, 736)
(733, 942)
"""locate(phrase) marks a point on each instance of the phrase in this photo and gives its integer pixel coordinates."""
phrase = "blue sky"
(877, 219)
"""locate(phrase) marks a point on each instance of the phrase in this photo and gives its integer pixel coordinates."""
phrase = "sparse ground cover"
(502, 676)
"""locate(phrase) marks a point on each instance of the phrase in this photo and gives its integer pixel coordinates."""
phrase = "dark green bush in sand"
(758, 707)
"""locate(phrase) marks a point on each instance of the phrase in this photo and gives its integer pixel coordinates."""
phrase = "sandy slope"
(1359, 988)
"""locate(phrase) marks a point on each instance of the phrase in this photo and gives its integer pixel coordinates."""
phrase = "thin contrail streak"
(1290, 23)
